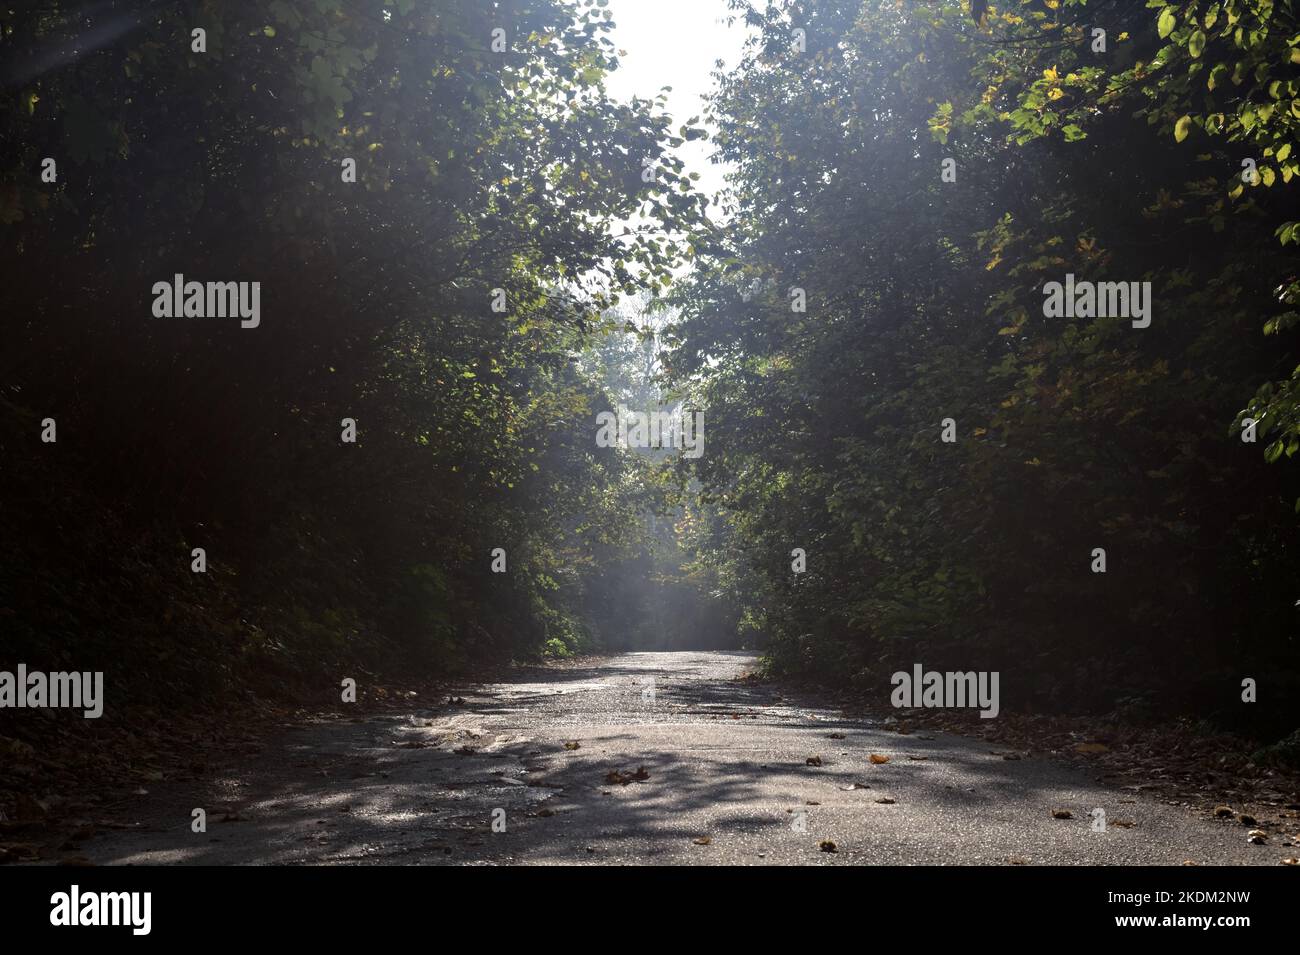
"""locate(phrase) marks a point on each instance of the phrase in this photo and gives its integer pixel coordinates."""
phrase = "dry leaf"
(1092, 748)
(703, 841)
(826, 846)
(622, 779)
(879, 760)
(813, 760)
(1062, 814)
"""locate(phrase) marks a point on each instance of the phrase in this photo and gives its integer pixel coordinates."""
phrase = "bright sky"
(675, 43)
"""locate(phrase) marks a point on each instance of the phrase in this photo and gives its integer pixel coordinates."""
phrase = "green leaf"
(1182, 128)
(1196, 44)
(1165, 25)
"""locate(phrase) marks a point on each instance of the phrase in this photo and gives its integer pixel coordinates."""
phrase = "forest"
(311, 310)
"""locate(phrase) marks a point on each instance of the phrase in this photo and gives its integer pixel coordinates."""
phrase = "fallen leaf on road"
(702, 841)
(826, 846)
(1017, 860)
(1222, 812)
(622, 779)
(466, 751)
(1257, 837)
(1291, 861)
(1246, 819)
(852, 786)
(813, 760)
(1123, 823)
(836, 735)
(1092, 748)
(879, 760)
(918, 758)
(1062, 814)
(572, 744)
(886, 801)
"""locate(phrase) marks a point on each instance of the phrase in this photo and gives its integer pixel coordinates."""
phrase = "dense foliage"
(442, 301)
(925, 302)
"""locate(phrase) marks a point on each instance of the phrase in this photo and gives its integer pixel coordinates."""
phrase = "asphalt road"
(726, 781)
